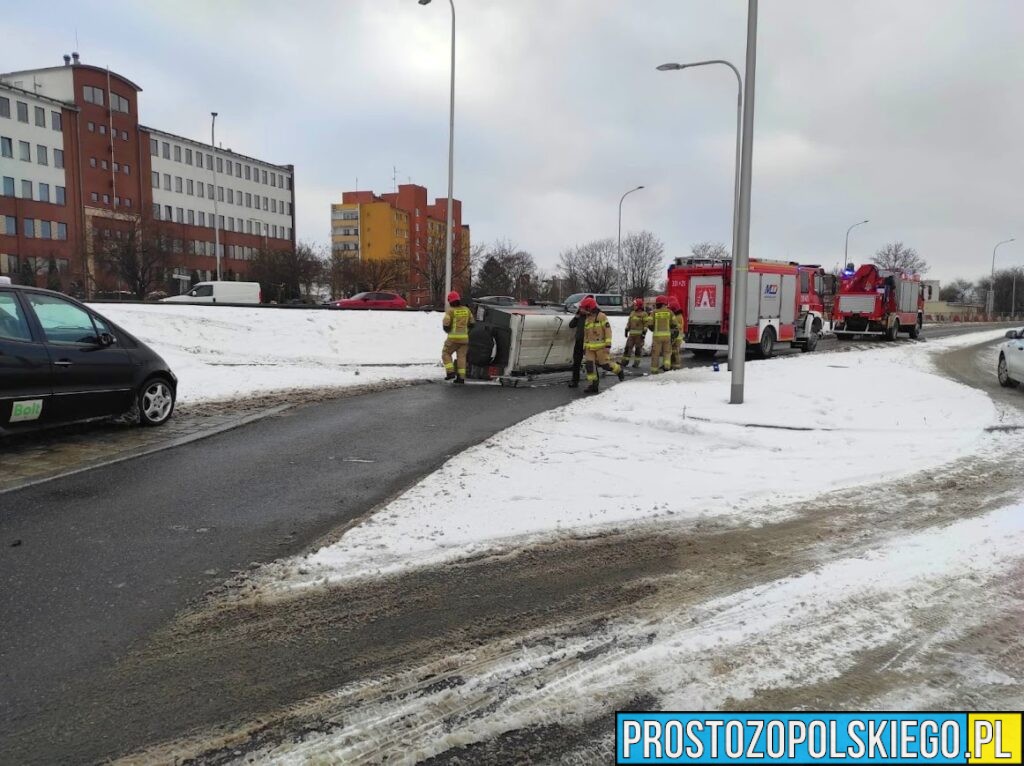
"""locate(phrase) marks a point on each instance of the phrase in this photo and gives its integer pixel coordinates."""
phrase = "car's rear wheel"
(1004, 375)
(155, 402)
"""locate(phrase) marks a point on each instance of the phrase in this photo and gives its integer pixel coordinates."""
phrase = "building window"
(156, 179)
(177, 153)
(248, 172)
(92, 162)
(5, 107)
(248, 227)
(6, 147)
(248, 198)
(103, 129)
(154, 147)
(265, 203)
(106, 199)
(92, 95)
(209, 161)
(191, 217)
(229, 167)
(28, 227)
(202, 189)
(238, 169)
(231, 224)
(220, 221)
(167, 181)
(289, 208)
(46, 230)
(166, 150)
(42, 156)
(199, 159)
(95, 197)
(209, 190)
(238, 197)
(124, 135)
(44, 193)
(55, 121)
(10, 226)
(58, 158)
(40, 117)
(168, 213)
(273, 206)
(26, 190)
(180, 215)
(8, 186)
(190, 187)
(177, 184)
(126, 170)
(231, 196)
(264, 176)
(117, 202)
(188, 156)
(62, 230)
(220, 193)
(118, 103)
(22, 112)
(103, 164)
(25, 151)
(202, 218)
(127, 201)
(91, 127)
(273, 179)
(220, 165)
(61, 196)
(156, 211)
(116, 167)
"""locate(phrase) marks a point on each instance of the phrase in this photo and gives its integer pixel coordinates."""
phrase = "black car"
(62, 362)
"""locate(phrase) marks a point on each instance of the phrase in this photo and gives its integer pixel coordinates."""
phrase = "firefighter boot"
(591, 389)
(636, 362)
(450, 375)
(459, 381)
(621, 373)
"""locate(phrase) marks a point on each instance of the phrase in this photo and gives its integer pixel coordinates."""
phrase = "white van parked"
(220, 292)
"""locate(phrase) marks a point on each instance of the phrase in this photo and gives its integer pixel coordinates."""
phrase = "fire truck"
(872, 301)
(786, 303)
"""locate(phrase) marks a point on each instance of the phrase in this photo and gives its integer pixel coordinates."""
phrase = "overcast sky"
(907, 112)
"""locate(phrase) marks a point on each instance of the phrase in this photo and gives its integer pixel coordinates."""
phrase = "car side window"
(62, 322)
(13, 324)
(203, 291)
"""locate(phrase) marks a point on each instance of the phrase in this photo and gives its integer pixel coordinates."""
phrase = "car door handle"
(64, 363)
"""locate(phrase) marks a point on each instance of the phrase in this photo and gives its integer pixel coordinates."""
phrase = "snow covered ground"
(670, 449)
(224, 353)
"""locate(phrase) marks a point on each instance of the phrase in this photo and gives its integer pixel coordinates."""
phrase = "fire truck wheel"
(893, 331)
(1004, 376)
(766, 347)
(915, 332)
(811, 343)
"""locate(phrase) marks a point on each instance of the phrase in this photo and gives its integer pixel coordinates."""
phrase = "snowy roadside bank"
(224, 353)
(669, 449)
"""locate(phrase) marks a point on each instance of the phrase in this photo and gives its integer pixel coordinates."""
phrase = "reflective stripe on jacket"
(458, 320)
(637, 322)
(663, 322)
(597, 332)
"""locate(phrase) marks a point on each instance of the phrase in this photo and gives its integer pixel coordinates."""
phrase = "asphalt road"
(95, 563)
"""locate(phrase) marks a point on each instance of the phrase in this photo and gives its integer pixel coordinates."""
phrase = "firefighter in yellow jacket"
(597, 343)
(679, 334)
(457, 321)
(662, 323)
(636, 328)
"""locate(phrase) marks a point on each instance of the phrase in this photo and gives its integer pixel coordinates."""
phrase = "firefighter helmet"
(673, 303)
(454, 297)
(638, 304)
(588, 303)
(661, 300)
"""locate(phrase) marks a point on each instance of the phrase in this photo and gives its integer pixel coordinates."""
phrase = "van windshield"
(576, 298)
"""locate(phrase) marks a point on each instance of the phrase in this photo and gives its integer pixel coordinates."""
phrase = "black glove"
(627, 332)
(675, 334)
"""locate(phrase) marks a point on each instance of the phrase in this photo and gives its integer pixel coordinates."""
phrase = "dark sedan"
(61, 362)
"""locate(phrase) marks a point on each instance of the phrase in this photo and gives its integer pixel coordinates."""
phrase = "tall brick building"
(76, 165)
(404, 225)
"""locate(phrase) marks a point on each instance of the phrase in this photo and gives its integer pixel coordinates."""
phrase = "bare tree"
(431, 269)
(643, 256)
(897, 257)
(505, 269)
(709, 250)
(590, 267)
(957, 291)
(136, 252)
(286, 274)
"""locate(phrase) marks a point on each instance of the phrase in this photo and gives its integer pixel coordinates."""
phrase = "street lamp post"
(992, 285)
(213, 167)
(451, 160)
(619, 246)
(846, 249)
(741, 259)
(736, 173)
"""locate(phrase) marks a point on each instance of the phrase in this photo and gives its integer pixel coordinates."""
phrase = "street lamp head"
(661, 68)
(213, 114)
(640, 187)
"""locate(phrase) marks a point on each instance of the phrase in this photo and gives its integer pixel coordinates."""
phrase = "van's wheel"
(766, 347)
(1004, 376)
(893, 330)
(155, 402)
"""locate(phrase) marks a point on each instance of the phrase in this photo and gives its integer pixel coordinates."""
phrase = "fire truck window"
(805, 282)
(819, 286)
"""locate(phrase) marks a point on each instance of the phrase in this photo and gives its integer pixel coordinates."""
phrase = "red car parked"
(372, 301)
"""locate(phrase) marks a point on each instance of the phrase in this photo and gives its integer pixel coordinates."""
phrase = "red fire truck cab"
(872, 301)
(786, 303)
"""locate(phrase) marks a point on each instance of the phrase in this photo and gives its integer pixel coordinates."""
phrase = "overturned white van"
(514, 343)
